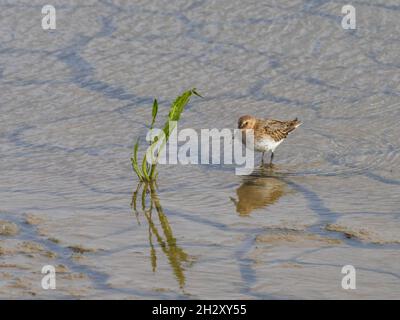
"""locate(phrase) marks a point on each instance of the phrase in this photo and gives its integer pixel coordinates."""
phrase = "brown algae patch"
(358, 233)
(32, 219)
(81, 250)
(8, 228)
(2, 251)
(28, 247)
(54, 240)
(74, 276)
(8, 265)
(36, 221)
(23, 285)
(290, 265)
(5, 251)
(19, 283)
(77, 257)
(6, 276)
(282, 237)
(62, 269)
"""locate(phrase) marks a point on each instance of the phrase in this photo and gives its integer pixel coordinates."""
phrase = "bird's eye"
(242, 124)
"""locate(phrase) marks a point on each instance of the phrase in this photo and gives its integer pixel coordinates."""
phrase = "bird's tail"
(295, 123)
(291, 125)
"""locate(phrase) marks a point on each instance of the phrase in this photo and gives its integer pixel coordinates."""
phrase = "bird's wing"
(279, 130)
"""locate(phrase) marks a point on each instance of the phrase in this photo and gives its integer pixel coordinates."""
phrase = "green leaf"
(148, 172)
(178, 105)
(145, 168)
(176, 110)
(135, 162)
(154, 112)
(152, 170)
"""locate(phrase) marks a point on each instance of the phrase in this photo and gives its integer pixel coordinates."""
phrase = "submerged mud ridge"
(8, 228)
(24, 253)
(361, 234)
(281, 236)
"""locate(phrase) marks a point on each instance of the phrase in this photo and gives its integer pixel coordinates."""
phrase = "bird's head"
(246, 122)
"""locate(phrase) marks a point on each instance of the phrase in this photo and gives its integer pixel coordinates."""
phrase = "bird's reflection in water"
(258, 192)
(159, 230)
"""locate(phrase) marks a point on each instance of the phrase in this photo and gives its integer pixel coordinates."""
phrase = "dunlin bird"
(268, 133)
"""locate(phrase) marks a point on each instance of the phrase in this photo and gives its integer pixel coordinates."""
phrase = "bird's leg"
(262, 159)
(272, 157)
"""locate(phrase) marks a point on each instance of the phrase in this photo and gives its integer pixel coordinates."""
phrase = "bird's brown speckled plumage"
(268, 133)
(276, 129)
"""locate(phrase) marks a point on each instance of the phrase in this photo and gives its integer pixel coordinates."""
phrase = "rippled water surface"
(73, 100)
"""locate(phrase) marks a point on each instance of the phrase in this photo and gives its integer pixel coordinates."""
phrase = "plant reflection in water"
(165, 239)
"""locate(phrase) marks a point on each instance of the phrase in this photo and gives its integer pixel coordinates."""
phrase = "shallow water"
(73, 101)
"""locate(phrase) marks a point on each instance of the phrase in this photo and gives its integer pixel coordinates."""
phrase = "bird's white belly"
(266, 144)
